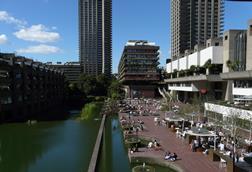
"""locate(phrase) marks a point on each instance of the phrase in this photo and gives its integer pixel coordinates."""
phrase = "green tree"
(114, 90)
(87, 84)
(102, 84)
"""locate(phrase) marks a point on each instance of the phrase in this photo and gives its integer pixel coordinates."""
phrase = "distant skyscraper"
(95, 22)
(193, 22)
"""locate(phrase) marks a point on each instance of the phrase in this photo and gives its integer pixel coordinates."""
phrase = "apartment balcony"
(4, 74)
(6, 100)
(192, 78)
(139, 77)
(5, 81)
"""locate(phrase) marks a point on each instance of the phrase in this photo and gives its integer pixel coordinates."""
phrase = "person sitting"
(167, 155)
(206, 151)
(205, 145)
(158, 147)
(150, 144)
(131, 151)
(155, 143)
(173, 157)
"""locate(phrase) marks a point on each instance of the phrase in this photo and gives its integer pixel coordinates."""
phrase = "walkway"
(94, 158)
(187, 160)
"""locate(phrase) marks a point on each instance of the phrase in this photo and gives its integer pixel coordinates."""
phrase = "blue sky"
(47, 30)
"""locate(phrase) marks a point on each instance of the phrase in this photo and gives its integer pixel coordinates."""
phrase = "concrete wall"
(183, 87)
(214, 41)
(95, 154)
(183, 63)
(175, 65)
(213, 53)
(249, 46)
(242, 91)
(169, 67)
(193, 59)
(227, 111)
(205, 55)
(217, 55)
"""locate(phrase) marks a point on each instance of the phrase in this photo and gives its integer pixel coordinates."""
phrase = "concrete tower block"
(249, 46)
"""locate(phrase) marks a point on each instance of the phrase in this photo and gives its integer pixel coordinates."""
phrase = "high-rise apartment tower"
(95, 23)
(193, 22)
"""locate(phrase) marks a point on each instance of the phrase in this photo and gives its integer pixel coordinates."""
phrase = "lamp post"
(183, 125)
(250, 134)
(215, 141)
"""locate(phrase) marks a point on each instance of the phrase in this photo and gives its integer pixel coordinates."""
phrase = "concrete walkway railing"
(93, 161)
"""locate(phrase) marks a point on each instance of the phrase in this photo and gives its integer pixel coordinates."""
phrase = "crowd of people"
(151, 107)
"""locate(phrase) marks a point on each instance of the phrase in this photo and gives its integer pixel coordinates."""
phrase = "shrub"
(91, 110)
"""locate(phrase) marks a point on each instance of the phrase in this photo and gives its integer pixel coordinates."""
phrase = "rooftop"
(139, 42)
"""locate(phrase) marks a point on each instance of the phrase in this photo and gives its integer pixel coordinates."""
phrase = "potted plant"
(207, 66)
(175, 73)
(233, 65)
(193, 69)
(187, 72)
(182, 73)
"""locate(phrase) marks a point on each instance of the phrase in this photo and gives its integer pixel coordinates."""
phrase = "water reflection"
(49, 146)
(114, 156)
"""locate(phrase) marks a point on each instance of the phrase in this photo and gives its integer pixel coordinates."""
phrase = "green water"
(64, 146)
(114, 157)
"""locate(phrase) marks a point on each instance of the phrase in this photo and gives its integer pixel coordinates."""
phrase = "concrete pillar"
(207, 71)
(229, 91)
(185, 96)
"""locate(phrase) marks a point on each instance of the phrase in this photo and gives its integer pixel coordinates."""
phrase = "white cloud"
(40, 49)
(6, 17)
(37, 33)
(3, 39)
(54, 28)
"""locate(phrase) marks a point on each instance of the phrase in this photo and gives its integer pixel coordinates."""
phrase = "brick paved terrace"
(188, 161)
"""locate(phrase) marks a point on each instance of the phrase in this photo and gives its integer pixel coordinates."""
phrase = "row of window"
(243, 84)
(180, 85)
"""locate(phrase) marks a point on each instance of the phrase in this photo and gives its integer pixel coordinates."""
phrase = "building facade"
(28, 88)
(197, 74)
(138, 68)
(237, 81)
(193, 22)
(237, 65)
(221, 72)
(71, 70)
(95, 28)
